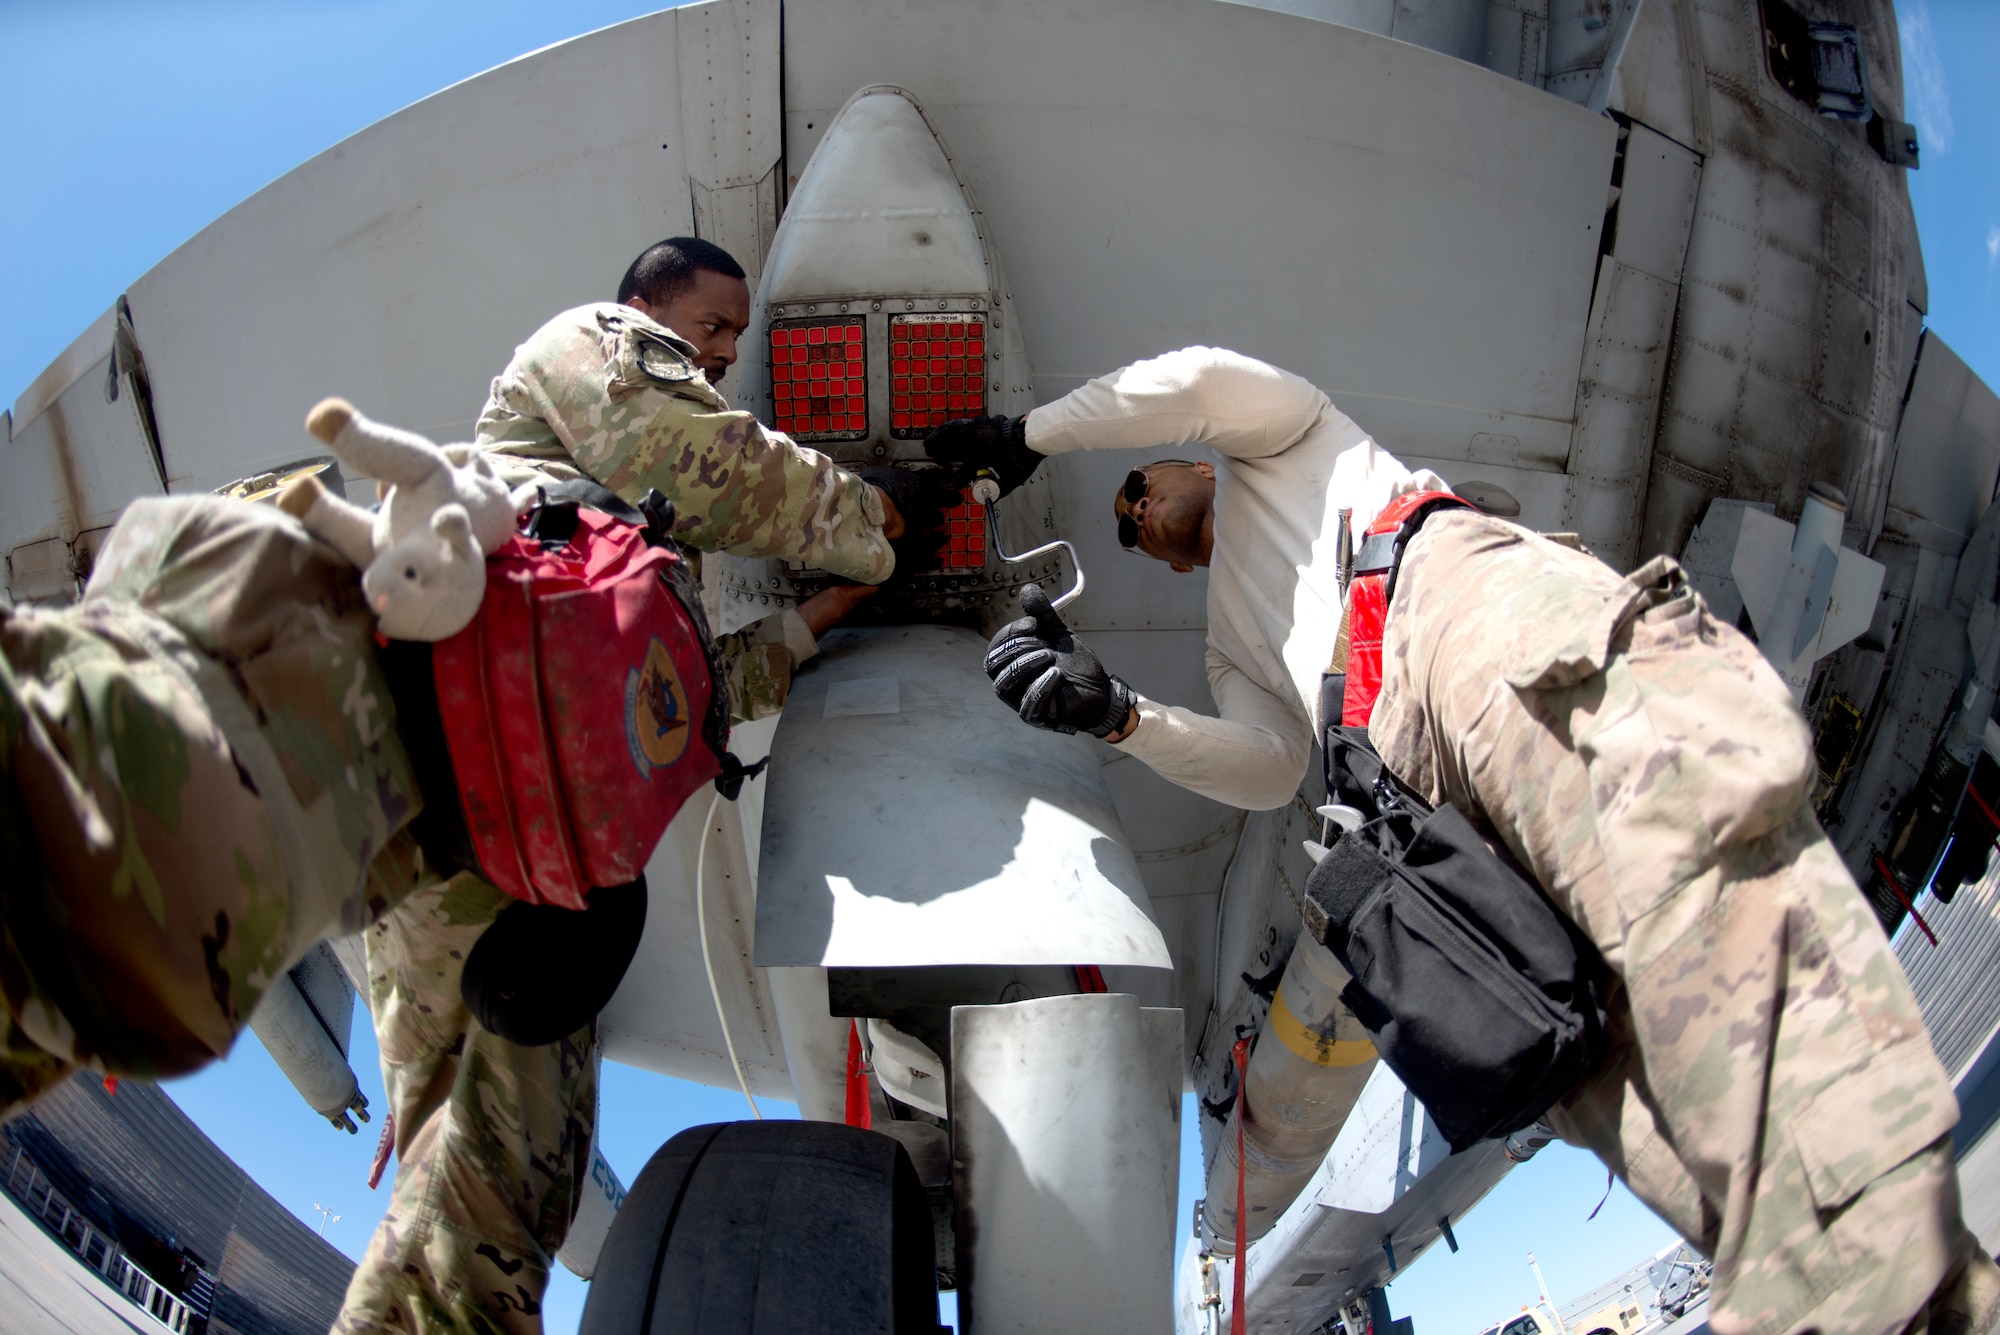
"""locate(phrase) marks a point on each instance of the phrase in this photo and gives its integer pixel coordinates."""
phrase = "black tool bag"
(1482, 998)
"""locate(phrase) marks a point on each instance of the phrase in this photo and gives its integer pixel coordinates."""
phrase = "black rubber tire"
(758, 1228)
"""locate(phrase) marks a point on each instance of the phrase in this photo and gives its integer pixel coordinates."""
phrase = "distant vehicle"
(1625, 1318)
(1652, 1294)
(1536, 1320)
(1681, 1279)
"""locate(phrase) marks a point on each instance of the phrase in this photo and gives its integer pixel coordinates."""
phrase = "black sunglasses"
(1134, 492)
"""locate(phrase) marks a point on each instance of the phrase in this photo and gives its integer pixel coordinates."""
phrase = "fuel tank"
(910, 820)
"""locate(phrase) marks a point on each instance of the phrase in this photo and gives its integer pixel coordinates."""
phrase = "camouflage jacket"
(606, 389)
(287, 663)
(201, 777)
(760, 660)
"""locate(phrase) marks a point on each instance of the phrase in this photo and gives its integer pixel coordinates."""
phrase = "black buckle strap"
(552, 523)
(1377, 553)
(659, 513)
(1352, 870)
(1408, 531)
(735, 774)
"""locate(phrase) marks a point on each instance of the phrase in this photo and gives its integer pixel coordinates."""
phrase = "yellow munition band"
(1309, 1045)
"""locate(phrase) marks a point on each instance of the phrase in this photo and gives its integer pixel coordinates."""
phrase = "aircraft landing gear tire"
(755, 1228)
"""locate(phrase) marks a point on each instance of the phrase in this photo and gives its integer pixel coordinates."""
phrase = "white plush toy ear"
(470, 456)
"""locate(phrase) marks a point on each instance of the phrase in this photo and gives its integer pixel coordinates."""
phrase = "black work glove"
(1044, 673)
(921, 496)
(967, 444)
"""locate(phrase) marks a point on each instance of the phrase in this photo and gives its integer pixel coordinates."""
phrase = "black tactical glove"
(921, 496)
(967, 444)
(1047, 675)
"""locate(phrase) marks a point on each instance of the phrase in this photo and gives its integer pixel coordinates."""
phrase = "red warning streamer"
(857, 1080)
(1897, 886)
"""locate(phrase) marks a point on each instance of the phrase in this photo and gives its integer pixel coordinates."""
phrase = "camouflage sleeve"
(750, 492)
(620, 395)
(508, 423)
(761, 659)
(199, 778)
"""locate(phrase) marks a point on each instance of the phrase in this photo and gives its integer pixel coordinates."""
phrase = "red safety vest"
(1374, 582)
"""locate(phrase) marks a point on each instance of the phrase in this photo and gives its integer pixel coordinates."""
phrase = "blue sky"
(126, 127)
(1955, 104)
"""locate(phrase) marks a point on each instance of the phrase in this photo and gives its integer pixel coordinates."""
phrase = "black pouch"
(539, 972)
(1483, 999)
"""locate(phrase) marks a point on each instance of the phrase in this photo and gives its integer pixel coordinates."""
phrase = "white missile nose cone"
(881, 314)
(878, 212)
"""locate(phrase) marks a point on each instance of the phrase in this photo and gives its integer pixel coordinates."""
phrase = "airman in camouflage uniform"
(200, 777)
(1771, 1089)
(604, 392)
(493, 1139)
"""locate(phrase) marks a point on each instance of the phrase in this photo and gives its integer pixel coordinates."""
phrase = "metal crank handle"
(986, 490)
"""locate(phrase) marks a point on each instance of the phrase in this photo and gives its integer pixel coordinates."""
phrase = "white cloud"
(1926, 100)
(1992, 245)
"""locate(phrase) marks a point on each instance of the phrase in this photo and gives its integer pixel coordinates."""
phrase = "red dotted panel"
(937, 371)
(966, 547)
(819, 379)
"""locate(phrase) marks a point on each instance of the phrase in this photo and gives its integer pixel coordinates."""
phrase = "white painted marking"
(863, 695)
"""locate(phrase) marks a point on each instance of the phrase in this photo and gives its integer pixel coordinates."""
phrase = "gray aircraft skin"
(1637, 271)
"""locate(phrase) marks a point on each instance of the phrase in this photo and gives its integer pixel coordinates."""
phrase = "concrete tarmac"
(46, 1290)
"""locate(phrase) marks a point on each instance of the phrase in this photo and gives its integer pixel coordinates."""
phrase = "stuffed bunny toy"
(422, 554)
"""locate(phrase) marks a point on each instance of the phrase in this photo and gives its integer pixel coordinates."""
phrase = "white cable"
(701, 929)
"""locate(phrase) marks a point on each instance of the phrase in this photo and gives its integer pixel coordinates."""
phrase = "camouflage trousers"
(492, 1139)
(1770, 1089)
(199, 779)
